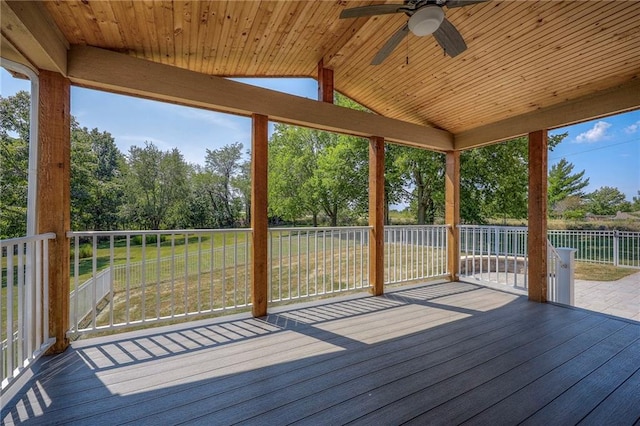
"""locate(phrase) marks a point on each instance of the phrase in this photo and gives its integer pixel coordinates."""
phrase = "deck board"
(441, 353)
(551, 354)
(433, 386)
(585, 395)
(526, 401)
(620, 407)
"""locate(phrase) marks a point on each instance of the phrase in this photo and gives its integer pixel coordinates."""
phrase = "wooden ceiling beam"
(325, 84)
(115, 72)
(30, 30)
(617, 99)
(10, 52)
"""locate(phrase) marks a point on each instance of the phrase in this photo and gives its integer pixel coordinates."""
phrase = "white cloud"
(595, 134)
(632, 128)
(217, 119)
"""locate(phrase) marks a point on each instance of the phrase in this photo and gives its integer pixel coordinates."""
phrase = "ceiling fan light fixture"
(426, 20)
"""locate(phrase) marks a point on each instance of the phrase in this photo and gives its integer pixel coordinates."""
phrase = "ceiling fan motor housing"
(426, 20)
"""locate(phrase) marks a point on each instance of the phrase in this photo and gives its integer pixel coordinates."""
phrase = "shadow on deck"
(436, 353)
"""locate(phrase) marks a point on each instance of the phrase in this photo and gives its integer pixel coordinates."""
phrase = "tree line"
(315, 178)
(146, 188)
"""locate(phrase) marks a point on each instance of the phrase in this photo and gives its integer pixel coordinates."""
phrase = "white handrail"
(25, 324)
(494, 254)
(415, 252)
(310, 262)
(618, 248)
(184, 276)
(498, 255)
(193, 272)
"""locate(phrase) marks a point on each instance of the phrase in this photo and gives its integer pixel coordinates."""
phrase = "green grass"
(175, 246)
(601, 272)
(299, 268)
(314, 273)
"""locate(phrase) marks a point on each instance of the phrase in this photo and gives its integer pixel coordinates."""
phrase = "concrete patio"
(620, 298)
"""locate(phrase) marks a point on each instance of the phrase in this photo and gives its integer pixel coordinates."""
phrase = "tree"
(97, 191)
(494, 178)
(395, 191)
(293, 160)
(493, 181)
(423, 173)
(606, 201)
(242, 182)
(174, 172)
(107, 191)
(224, 165)
(341, 176)
(312, 171)
(635, 205)
(95, 171)
(83, 169)
(14, 163)
(571, 207)
(563, 183)
(508, 171)
(198, 212)
(156, 182)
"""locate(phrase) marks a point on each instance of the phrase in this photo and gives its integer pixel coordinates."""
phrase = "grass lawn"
(299, 268)
(170, 246)
(601, 272)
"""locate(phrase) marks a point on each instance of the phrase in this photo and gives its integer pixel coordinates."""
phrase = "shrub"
(85, 251)
(136, 240)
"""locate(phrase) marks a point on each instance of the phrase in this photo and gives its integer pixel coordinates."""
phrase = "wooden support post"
(452, 212)
(537, 230)
(53, 210)
(259, 225)
(376, 215)
(325, 84)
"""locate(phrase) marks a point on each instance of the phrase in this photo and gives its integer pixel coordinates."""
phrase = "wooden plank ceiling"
(522, 56)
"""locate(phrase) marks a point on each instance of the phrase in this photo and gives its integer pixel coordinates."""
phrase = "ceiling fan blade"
(450, 39)
(390, 45)
(376, 9)
(461, 3)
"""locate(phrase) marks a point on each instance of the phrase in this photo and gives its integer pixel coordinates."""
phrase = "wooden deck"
(442, 353)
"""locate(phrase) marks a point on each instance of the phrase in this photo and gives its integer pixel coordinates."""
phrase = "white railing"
(308, 262)
(618, 248)
(498, 255)
(157, 276)
(554, 266)
(495, 254)
(126, 278)
(139, 277)
(24, 322)
(415, 252)
(82, 298)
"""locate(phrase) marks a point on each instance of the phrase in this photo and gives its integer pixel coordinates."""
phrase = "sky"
(608, 149)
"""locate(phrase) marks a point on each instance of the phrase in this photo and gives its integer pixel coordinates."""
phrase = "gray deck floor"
(443, 353)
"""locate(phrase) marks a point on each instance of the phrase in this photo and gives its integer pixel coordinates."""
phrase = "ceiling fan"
(425, 17)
